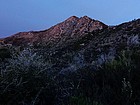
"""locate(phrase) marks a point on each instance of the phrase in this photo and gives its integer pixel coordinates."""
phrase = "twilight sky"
(27, 15)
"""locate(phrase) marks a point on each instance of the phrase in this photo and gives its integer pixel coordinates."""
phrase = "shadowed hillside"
(80, 61)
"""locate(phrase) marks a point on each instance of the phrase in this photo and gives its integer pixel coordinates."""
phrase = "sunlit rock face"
(73, 27)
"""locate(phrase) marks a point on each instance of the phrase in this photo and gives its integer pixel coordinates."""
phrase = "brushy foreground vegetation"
(28, 78)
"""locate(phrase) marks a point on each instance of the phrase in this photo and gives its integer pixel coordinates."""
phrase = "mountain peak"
(72, 18)
(71, 28)
(86, 17)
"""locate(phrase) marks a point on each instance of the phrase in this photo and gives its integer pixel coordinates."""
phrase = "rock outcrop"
(71, 28)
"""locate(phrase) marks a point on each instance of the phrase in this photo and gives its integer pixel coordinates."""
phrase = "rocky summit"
(82, 34)
(71, 28)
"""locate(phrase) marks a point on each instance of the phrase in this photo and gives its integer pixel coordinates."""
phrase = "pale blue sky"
(27, 15)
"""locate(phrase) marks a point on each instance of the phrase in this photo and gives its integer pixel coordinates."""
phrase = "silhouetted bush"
(4, 53)
(30, 79)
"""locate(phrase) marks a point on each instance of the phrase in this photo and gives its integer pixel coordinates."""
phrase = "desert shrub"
(80, 100)
(30, 78)
(121, 77)
(4, 53)
(113, 83)
(25, 80)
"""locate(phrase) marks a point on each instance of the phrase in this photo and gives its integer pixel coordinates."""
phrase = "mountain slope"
(71, 28)
(102, 45)
(72, 63)
(91, 37)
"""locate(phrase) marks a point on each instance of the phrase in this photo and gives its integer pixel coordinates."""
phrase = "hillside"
(80, 61)
(71, 28)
